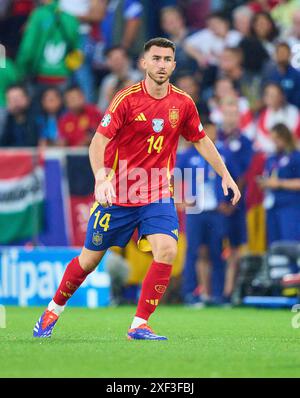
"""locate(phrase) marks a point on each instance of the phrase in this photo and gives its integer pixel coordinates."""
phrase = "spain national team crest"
(158, 125)
(174, 117)
(97, 238)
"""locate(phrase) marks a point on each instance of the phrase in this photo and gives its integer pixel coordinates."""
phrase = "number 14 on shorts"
(103, 221)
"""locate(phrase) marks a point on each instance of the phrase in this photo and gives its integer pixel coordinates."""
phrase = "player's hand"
(228, 183)
(104, 192)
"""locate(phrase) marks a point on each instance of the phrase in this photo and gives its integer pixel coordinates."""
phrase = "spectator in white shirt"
(207, 44)
(276, 110)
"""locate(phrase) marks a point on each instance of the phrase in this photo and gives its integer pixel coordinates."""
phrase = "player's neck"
(156, 90)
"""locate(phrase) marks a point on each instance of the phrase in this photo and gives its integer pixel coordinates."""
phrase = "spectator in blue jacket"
(285, 74)
(204, 228)
(237, 153)
(281, 184)
(51, 110)
(122, 25)
(20, 129)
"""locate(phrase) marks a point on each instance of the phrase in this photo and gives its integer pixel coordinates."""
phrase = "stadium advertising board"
(30, 277)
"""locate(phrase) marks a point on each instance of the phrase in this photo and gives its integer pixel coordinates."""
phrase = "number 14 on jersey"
(155, 144)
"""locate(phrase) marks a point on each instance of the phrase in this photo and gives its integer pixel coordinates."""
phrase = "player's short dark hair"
(159, 42)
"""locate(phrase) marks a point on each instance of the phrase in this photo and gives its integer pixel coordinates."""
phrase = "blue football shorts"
(115, 225)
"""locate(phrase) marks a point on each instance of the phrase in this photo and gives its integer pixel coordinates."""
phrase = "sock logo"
(65, 294)
(160, 288)
(71, 285)
(152, 302)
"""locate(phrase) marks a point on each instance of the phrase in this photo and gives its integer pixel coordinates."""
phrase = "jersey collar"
(157, 99)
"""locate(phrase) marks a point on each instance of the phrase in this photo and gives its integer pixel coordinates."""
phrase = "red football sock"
(154, 285)
(73, 277)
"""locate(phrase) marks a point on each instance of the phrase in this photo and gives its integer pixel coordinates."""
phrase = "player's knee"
(89, 261)
(88, 265)
(166, 254)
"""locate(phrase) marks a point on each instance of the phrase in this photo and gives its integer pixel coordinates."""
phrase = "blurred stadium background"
(61, 64)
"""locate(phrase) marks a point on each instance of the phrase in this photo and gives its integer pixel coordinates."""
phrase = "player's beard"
(159, 82)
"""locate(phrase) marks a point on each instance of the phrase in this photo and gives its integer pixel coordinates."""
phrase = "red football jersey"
(144, 133)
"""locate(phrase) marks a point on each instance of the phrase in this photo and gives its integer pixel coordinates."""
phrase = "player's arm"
(96, 153)
(209, 152)
(104, 191)
(113, 120)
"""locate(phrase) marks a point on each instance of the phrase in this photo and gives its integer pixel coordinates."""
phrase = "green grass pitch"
(209, 342)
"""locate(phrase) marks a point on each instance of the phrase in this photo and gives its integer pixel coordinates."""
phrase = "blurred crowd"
(240, 62)
(65, 60)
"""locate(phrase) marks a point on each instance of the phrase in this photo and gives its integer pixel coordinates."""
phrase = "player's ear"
(143, 63)
(174, 66)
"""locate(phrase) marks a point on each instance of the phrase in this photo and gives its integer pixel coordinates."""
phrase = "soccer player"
(138, 137)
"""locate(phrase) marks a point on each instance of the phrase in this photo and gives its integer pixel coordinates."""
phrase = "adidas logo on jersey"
(141, 118)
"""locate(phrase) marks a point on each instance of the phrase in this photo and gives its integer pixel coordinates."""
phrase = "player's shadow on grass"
(74, 340)
(66, 341)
